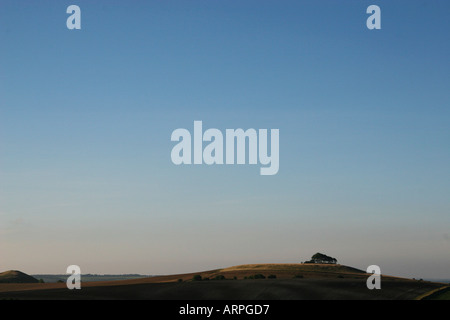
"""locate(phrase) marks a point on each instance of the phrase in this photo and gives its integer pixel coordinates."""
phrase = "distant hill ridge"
(15, 276)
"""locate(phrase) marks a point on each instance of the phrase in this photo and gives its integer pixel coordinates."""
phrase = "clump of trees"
(197, 277)
(256, 276)
(322, 258)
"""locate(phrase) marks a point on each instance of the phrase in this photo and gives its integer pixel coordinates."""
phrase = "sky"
(86, 117)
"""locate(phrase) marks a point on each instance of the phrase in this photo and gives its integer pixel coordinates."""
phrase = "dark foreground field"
(285, 289)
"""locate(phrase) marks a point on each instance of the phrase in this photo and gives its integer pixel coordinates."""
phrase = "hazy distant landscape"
(49, 278)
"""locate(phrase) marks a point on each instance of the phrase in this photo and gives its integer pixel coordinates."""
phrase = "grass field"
(263, 289)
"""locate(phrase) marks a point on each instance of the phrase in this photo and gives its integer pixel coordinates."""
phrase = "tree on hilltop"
(322, 258)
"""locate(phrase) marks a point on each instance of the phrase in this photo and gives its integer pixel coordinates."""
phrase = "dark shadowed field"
(297, 289)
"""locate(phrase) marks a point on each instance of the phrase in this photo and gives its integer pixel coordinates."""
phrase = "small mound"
(14, 276)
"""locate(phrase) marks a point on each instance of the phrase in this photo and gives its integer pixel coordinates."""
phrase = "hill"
(292, 281)
(14, 276)
(290, 270)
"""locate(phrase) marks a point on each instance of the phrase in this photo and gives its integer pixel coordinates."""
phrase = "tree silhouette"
(322, 258)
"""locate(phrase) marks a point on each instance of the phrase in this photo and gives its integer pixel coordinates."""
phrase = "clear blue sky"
(86, 117)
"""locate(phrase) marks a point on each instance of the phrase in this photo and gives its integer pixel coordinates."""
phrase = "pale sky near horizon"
(86, 118)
